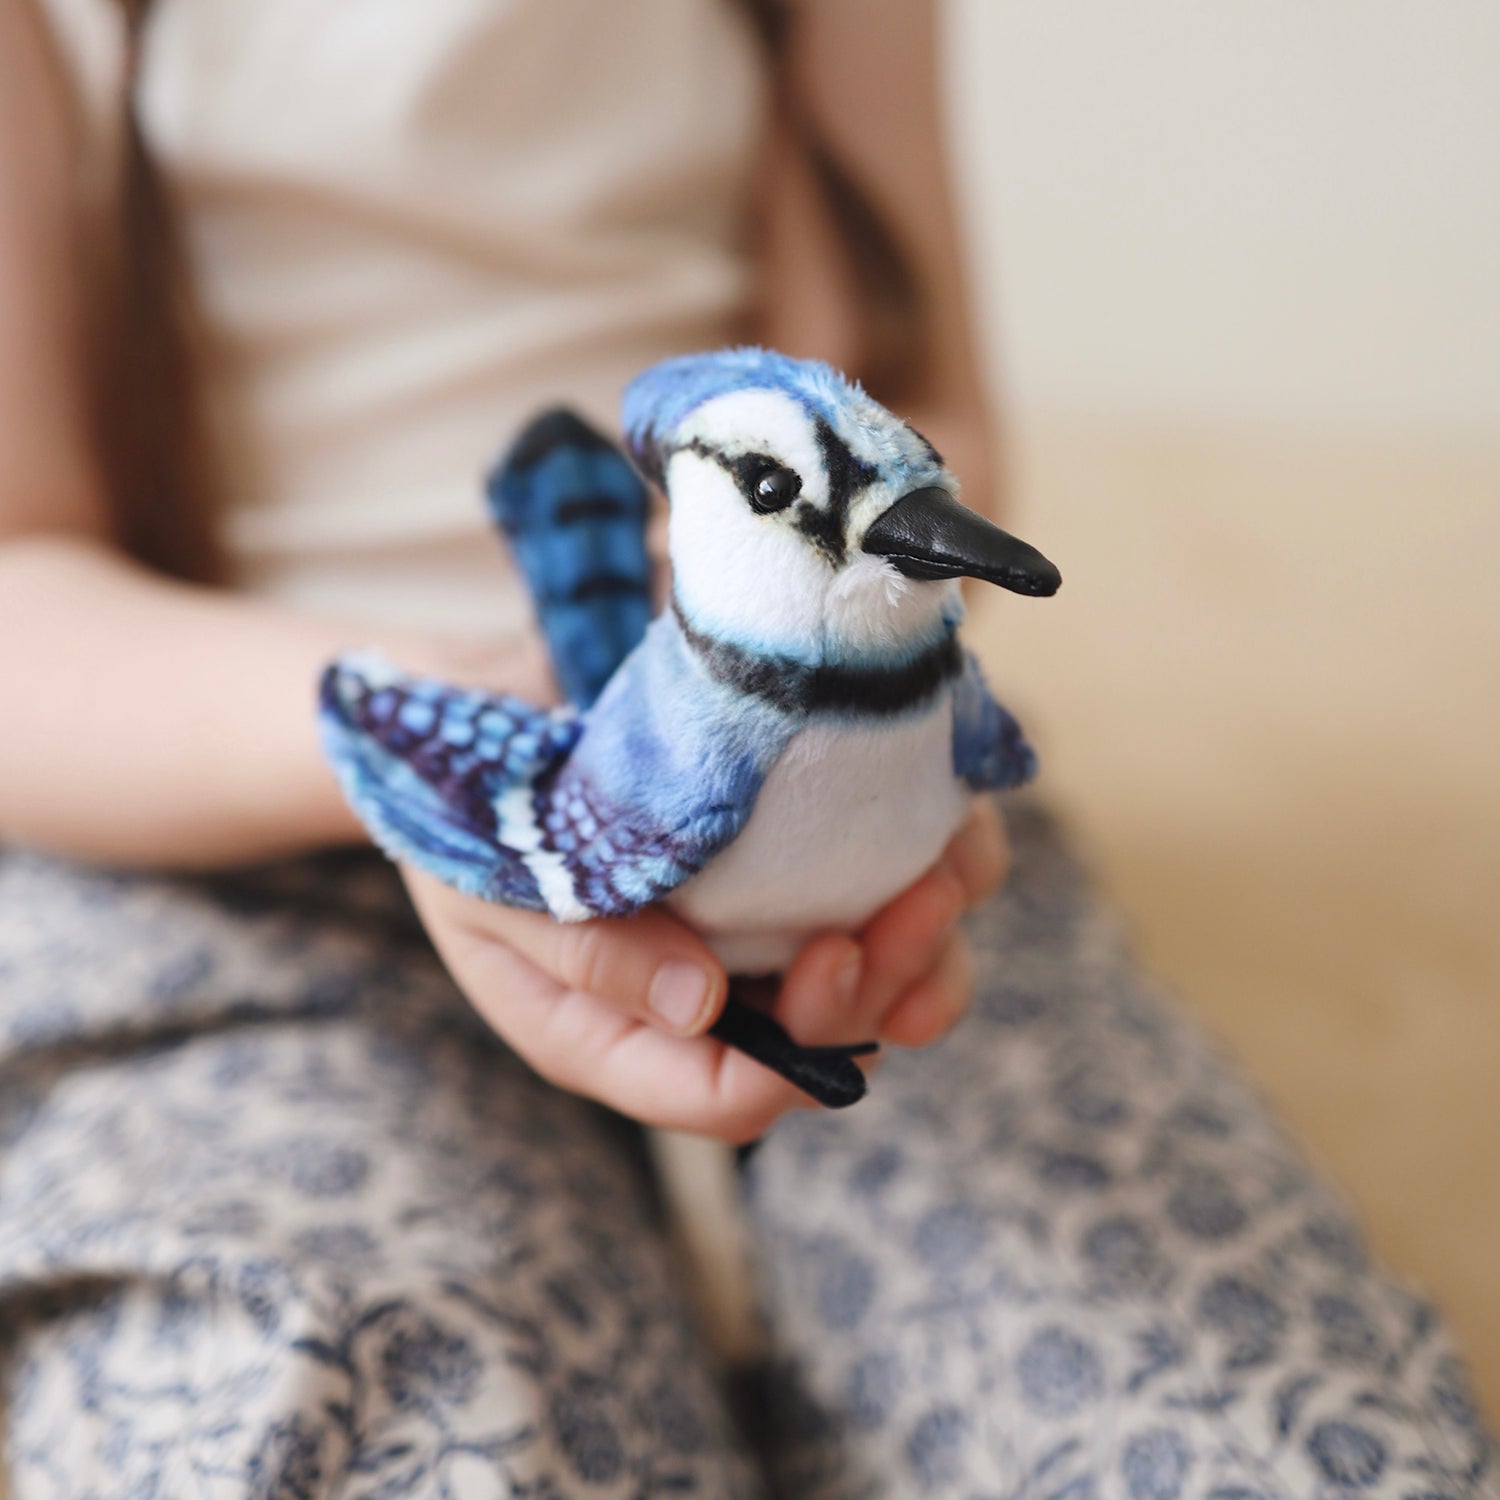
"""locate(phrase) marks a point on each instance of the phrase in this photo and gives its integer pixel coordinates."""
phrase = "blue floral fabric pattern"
(280, 1219)
(1066, 1254)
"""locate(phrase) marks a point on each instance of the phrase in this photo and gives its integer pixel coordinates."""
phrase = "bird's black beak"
(928, 534)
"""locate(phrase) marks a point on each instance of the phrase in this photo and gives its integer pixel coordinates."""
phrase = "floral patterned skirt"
(280, 1218)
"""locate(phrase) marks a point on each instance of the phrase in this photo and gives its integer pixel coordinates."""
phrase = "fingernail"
(679, 994)
(846, 977)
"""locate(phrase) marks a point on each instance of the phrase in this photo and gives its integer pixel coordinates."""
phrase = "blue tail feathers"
(574, 513)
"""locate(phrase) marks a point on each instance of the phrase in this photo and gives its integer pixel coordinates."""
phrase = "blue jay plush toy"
(782, 750)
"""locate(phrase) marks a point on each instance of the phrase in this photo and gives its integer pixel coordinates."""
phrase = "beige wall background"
(1241, 274)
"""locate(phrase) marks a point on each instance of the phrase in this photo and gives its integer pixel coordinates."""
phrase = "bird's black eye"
(776, 490)
(769, 486)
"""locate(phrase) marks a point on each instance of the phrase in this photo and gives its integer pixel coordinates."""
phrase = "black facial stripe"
(932, 452)
(847, 476)
(598, 586)
(796, 688)
(743, 468)
(590, 508)
(708, 451)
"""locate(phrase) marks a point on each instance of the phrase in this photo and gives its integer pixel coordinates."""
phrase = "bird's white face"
(769, 507)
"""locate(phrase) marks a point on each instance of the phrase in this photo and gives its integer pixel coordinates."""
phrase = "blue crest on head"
(661, 397)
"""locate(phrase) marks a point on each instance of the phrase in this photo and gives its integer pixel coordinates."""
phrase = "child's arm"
(145, 722)
(150, 723)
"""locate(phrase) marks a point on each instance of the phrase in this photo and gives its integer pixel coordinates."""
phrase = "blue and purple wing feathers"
(484, 792)
(424, 765)
(989, 751)
(620, 858)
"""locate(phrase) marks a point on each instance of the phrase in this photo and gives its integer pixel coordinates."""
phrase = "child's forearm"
(151, 723)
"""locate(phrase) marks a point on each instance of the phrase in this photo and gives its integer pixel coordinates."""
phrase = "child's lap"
(271, 1196)
(1068, 1252)
(277, 1215)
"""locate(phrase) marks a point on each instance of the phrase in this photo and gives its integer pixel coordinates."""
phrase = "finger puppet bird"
(784, 748)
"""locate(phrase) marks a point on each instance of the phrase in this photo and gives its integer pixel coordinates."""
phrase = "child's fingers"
(819, 998)
(586, 1046)
(696, 1084)
(569, 997)
(841, 991)
(979, 853)
(905, 940)
(932, 1008)
(648, 966)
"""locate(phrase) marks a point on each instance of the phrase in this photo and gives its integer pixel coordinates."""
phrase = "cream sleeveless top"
(413, 224)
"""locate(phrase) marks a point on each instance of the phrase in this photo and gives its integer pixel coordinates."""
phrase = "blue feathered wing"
(579, 816)
(990, 752)
(424, 765)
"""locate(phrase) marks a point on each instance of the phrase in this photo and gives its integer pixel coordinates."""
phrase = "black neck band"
(797, 688)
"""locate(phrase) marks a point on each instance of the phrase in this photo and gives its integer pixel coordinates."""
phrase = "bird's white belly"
(850, 815)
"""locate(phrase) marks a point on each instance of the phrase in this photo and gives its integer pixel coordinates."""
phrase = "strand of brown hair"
(155, 443)
(886, 288)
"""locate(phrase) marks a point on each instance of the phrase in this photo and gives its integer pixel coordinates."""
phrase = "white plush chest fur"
(850, 815)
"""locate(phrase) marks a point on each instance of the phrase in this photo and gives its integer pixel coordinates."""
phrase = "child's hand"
(615, 1009)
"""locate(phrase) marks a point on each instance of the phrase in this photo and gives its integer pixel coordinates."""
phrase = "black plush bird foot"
(828, 1074)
